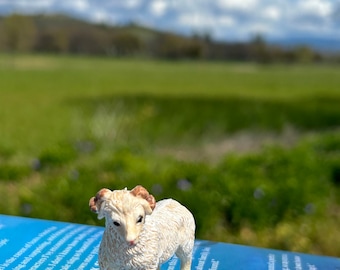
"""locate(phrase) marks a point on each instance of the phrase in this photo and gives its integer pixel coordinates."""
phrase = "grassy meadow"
(252, 150)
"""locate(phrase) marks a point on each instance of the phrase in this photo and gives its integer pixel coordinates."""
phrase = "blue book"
(27, 243)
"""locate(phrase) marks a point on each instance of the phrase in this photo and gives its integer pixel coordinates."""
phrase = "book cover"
(27, 243)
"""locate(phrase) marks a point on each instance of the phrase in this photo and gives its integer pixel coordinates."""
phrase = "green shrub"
(56, 156)
(10, 172)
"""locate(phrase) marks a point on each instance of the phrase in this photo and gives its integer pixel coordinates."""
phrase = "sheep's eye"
(116, 223)
(140, 219)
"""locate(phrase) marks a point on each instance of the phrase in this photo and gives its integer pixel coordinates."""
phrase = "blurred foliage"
(19, 33)
(257, 191)
(148, 117)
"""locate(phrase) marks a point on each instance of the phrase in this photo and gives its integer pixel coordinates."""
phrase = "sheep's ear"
(96, 202)
(141, 192)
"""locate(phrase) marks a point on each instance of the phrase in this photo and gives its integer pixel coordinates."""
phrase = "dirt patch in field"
(239, 143)
(27, 63)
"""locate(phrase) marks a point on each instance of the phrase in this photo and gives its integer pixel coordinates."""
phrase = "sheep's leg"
(186, 264)
(185, 259)
(158, 268)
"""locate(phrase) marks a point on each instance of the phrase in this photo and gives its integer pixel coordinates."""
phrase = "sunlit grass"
(35, 90)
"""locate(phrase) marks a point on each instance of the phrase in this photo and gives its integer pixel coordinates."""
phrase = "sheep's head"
(124, 210)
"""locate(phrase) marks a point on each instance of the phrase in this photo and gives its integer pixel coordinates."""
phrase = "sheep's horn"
(92, 205)
(140, 191)
(99, 197)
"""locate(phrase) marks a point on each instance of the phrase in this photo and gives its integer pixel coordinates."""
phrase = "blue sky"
(222, 19)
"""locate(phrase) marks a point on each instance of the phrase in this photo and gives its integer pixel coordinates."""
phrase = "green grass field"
(252, 150)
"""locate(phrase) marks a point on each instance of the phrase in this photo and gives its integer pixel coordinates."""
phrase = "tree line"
(65, 35)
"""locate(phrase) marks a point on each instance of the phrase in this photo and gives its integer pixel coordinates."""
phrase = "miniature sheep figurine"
(140, 233)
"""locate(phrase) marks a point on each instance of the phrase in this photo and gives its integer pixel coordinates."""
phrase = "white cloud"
(271, 13)
(199, 22)
(79, 5)
(260, 28)
(319, 8)
(226, 21)
(311, 17)
(32, 4)
(131, 3)
(99, 16)
(193, 20)
(158, 7)
(237, 4)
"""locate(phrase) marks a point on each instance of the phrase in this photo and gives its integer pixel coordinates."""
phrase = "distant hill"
(63, 34)
(54, 21)
(324, 45)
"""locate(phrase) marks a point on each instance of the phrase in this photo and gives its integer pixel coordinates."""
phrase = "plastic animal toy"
(140, 233)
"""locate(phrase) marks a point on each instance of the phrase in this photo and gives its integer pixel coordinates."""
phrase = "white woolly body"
(169, 229)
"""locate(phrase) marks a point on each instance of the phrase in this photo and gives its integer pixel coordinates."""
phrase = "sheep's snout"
(132, 240)
(134, 226)
(132, 237)
(132, 243)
